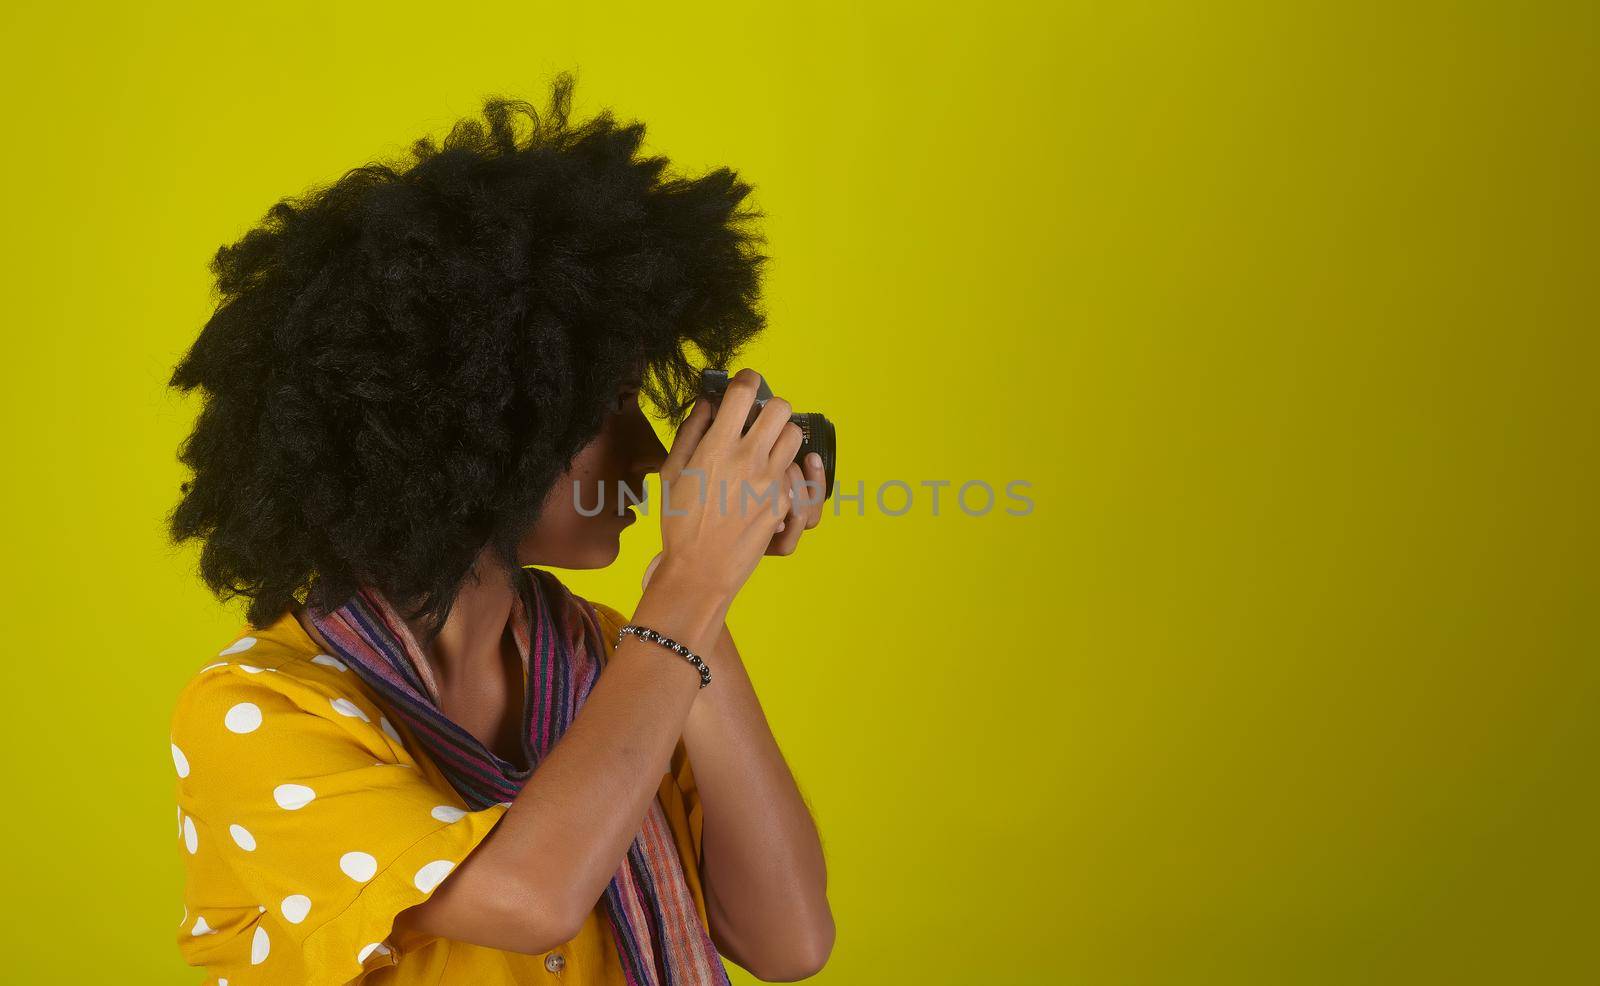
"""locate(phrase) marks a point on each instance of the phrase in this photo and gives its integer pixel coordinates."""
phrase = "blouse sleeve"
(305, 825)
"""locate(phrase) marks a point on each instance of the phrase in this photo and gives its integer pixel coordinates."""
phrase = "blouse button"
(555, 962)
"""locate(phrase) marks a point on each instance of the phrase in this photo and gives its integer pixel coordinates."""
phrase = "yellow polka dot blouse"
(307, 822)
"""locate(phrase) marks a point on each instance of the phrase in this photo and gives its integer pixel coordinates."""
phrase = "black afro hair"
(402, 363)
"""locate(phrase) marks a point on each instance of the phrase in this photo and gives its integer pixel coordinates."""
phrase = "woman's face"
(625, 451)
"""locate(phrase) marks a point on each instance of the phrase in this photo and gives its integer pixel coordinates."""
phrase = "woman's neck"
(468, 648)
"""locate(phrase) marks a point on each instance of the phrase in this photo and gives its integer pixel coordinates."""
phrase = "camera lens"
(821, 440)
(818, 430)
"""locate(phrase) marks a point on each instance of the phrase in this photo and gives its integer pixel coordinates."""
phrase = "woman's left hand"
(805, 504)
(803, 513)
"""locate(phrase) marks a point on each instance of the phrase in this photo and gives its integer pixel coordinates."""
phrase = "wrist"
(690, 582)
(681, 604)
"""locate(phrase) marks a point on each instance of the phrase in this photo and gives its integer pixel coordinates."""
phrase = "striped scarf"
(652, 913)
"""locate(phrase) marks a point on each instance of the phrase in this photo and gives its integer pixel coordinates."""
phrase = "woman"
(408, 767)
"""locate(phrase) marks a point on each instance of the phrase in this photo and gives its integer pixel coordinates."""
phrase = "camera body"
(819, 433)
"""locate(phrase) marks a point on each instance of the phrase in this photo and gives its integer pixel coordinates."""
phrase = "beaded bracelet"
(645, 633)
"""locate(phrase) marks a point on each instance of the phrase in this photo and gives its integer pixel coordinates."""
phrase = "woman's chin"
(599, 553)
(596, 545)
(596, 549)
(606, 545)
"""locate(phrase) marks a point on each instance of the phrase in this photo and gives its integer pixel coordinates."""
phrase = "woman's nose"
(649, 454)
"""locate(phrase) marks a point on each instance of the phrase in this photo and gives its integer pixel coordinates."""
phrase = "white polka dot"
(377, 946)
(180, 761)
(329, 661)
(242, 644)
(503, 804)
(191, 838)
(260, 946)
(208, 667)
(252, 668)
(222, 982)
(388, 730)
(261, 908)
(345, 707)
(242, 836)
(201, 928)
(358, 866)
(447, 813)
(429, 876)
(243, 718)
(292, 796)
(295, 908)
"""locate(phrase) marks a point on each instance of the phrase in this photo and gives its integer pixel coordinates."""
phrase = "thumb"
(686, 440)
(649, 570)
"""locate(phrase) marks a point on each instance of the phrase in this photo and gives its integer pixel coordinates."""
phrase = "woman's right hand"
(710, 533)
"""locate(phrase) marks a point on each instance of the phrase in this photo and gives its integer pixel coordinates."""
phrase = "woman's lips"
(628, 503)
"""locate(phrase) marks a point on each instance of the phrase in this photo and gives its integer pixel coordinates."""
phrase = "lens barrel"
(820, 435)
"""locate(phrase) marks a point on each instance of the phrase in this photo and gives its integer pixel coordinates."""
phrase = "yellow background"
(1286, 311)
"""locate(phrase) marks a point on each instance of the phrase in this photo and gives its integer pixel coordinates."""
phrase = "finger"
(768, 424)
(794, 481)
(788, 534)
(817, 477)
(785, 542)
(687, 439)
(790, 438)
(650, 570)
(734, 407)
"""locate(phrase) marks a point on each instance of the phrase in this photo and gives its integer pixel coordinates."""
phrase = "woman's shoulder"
(611, 620)
(278, 658)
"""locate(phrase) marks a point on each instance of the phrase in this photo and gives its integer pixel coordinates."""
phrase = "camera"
(818, 430)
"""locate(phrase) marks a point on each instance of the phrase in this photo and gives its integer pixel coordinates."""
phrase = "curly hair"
(402, 363)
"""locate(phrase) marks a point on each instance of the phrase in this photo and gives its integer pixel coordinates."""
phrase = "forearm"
(764, 871)
(574, 819)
